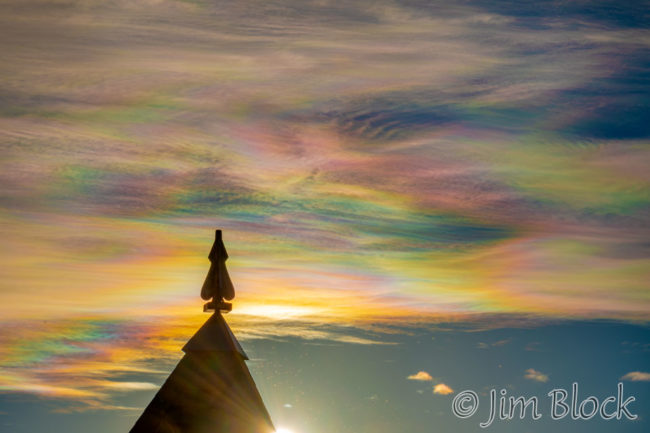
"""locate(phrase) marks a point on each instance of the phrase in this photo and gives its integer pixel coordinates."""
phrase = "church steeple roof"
(214, 336)
(211, 389)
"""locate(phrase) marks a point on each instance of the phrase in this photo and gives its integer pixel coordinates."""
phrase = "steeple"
(211, 389)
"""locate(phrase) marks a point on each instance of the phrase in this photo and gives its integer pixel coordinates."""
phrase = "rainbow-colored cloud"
(369, 162)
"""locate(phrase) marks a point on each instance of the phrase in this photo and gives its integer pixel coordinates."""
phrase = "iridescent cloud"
(370, 163)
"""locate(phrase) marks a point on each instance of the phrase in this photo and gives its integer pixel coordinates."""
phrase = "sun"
(283, 430)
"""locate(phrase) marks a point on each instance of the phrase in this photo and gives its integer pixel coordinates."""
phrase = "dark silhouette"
(217, 284)
(211, 389)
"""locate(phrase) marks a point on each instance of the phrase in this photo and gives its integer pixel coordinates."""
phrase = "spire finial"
(217, 284)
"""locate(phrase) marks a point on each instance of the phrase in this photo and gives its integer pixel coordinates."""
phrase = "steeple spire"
(217, 284)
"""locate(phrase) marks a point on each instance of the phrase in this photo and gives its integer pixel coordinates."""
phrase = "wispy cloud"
(89, 360)
(482, 345)
(533, 346)
(130, 386)
(366, 154)
(637, 376)
(369, 162)
(535, 375)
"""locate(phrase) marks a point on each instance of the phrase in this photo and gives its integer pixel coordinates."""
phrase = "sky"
(388, 175)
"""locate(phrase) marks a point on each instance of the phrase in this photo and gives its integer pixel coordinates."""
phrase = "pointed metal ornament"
(217, 284)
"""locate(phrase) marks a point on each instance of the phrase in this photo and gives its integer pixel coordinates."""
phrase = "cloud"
(442, 389)
(88, 361)
(461, 161)
(377, 143)
(368, 161)
(482, 345)
(130, 386)
(637, 376)
(533, 346)
(535, 375)
(421, 375)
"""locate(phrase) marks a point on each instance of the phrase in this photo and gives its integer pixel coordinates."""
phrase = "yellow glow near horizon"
(277, 311)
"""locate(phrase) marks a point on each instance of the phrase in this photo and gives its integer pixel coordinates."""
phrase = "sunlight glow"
(278, 311)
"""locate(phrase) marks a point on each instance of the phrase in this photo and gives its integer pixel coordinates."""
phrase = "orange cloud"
(637, 376)
(442, 389)
(421, 375)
